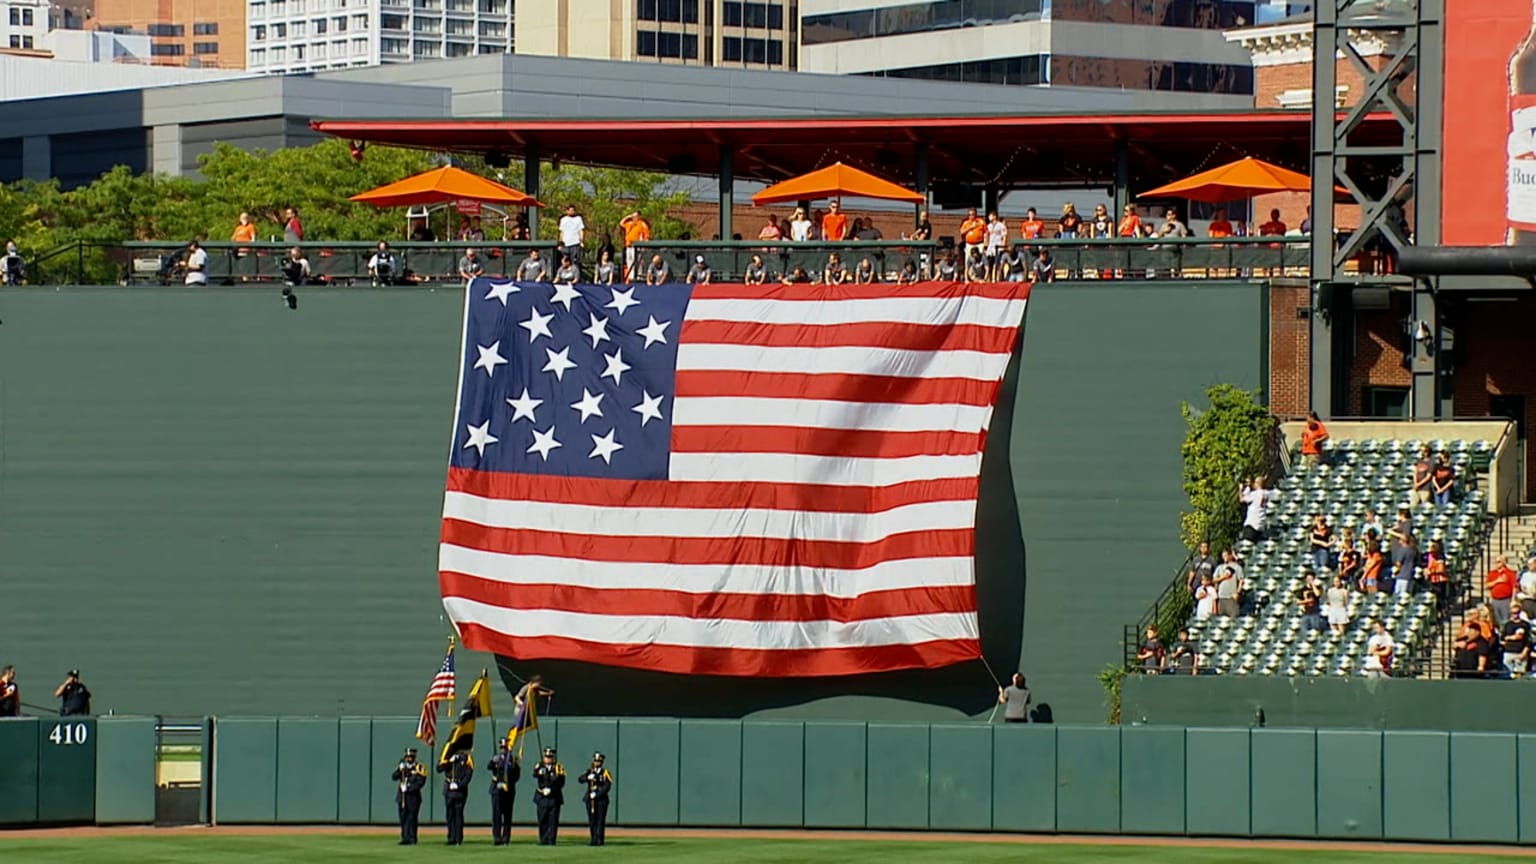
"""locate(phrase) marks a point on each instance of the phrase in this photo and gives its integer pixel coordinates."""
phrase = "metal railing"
(1173, 596)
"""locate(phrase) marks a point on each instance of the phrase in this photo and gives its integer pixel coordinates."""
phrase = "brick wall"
(1290, 350)
(1378, 360)
(1493, 361)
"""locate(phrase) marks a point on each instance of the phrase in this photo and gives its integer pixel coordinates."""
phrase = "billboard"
(1489, 149)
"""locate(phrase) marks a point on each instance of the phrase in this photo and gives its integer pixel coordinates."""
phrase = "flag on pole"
(441, 688)
(524, 720)
(476, 706)
(748, 480)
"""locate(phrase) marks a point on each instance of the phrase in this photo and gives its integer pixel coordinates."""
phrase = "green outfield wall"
(212, 504)
(1236, 782)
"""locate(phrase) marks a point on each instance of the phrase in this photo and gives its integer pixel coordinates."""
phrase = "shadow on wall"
(590, 690)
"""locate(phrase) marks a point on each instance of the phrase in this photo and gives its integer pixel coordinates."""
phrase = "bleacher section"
(1356, 477)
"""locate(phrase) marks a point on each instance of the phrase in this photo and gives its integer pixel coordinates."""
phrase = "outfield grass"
(187, 847)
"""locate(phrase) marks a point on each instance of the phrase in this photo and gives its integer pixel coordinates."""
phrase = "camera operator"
(13, 268)
(74, 698)
(295, 267)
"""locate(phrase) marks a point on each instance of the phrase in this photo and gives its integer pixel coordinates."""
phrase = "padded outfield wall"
(212, 504)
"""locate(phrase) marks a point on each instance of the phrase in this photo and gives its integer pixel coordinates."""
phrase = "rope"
(995, 679)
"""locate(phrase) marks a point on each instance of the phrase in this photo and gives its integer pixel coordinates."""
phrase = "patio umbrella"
(443, 185)
(835, 181)
(1236, 181)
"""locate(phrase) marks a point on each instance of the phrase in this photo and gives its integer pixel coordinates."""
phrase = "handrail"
(1154, 613)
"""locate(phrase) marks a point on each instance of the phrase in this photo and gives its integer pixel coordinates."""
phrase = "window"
(1029, 69)
(205, 28)
(320, 26)
(279, 31)
(359, 46)
(259, 33)
(685, 46)
(762, 51)
(166, 30)
(258, 56)
(15, 22)
(1384, 402)
(392, 46)
(760, 15)
(298, 28)
(166, 50)
(298, 52)
(15, 41)
(360, 22)
(26, 42)
(340, 23)
(392, 22)
(205, 47)
(684, 11)
(26, 20)
(258, 10)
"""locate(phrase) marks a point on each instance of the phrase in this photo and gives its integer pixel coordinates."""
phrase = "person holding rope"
(1015, 700)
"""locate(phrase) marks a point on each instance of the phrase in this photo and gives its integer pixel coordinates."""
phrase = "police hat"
(598, 757)
(410, 751)
(73, 673)
(549, 752)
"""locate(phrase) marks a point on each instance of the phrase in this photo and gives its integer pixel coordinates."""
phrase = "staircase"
(1513, 537)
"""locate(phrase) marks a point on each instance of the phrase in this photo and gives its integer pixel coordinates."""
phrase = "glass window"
(15, 41)
(205, 47)
(16, 22)
(166, 50)
(259, 33)
(205, 28)
(279, 31)
(320, 25)
(684, 11)
(340, 23)
(26, 21)
(165, 30)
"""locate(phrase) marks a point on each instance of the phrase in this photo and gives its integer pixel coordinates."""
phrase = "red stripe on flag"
(741, 607)
(836, 387)
(875, 334)
(849, 443)
(840, 555)
(604, 492)
(879, 291)
(813, 662)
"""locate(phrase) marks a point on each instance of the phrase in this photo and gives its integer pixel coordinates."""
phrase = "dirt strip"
(753, 834)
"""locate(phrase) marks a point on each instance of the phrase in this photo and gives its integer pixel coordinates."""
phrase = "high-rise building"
(310, 35)
(1167, 45)
(181, 32)
(23, 23)
(758, 34)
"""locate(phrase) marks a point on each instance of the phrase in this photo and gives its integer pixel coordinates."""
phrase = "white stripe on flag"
(885, 362)
(826, 470)
(905, 310)
(737, 411)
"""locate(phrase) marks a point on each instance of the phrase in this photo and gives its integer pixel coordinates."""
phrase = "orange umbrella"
(442, 185)
(835, 181)
(1245, 178)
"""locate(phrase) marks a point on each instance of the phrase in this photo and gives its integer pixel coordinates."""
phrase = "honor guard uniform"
(504, 775)
(599, 783)
(410, 777)
(548, 795)
(456, 770)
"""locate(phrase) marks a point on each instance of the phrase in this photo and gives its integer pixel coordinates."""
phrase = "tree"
(602, 196)
(1226, 444)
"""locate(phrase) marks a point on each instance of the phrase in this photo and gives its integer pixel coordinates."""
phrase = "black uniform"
(504, 776)
(456, 772)
(599, 783)
(75, 700)
(410, 777)
(548, 796)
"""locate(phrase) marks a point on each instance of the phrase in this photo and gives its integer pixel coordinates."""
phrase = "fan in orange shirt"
(636, 230)
(1312, 437)
(1130, 223)
(974, 232)
(245, 232)
(1031, 228)
(1220, 227)
(1274, 227)
(834, 225)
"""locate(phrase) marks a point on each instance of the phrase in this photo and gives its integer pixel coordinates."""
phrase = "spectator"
(606, 272)
(1205, 599)
(1306, 222)
(1256, 517)
(1500, 587)
(1014, 266)
(867, 231)
(293, 229)
(74, 698)
(573, 233)
(421, 231)
(797, 276)
(699, 273)
(1349, 558)
(1070, 223)
(607, 245)
(1130, 222)
(476, 232)
(10, 694)
(14, 269)
(567, 273)
(834, 273)
(1437, 572)
(756, 273)
(295, 267)
(997, 241)
(1202, 564)
(1526, 588)
(1471, 647)
(533, 268)
(1229, 584)
(946, 270)
(1220, 228)
(1310, 598)
(1423, 471)
(659, 273)
(771, 230)
(470, 265)
(1321, 537)
(1442, 480)
(636, 230)
(973, 232)
(1044, 267)
(1373, 565)
(799, 226)
(1313, 436)
(245, 232)
(1015, 700)
(1182, 660)
(1274, 227)
(1380, 652)
(1338, 606)
(1151, 654)
(924, 229)
(383, 267)
(1371, 524)
(834, 225)
(1171, 226)
(908, 274)
(1102, 227)
(975, 265)
(1515, 640)
(519, 229)
(864, 273)
(196, 264)
(1403, 544)
(1031, 228)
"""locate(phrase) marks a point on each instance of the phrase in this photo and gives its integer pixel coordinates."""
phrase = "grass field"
(189, 847)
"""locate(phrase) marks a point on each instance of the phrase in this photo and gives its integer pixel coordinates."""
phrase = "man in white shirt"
(197, 264)
(1379, 652)
(573, 233)
(997, 241)
(1257, 499)
(1525, 590)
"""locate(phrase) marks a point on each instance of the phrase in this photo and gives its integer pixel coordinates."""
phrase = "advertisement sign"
(467, 207)
(1489, 150)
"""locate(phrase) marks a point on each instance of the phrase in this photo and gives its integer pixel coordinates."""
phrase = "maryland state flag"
(476, 706)
(524, 721)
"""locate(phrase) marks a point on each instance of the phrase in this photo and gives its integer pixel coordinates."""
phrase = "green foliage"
(1112, 678)
(1227, 443)
(602, 196)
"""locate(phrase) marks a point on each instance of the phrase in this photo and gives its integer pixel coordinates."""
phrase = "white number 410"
(69, 733)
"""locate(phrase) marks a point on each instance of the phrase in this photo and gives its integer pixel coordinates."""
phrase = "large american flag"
(441, 689)
(723, 479)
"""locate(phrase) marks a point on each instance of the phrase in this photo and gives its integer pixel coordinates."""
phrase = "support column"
(921, 158)
(989, 199)
(727, 191)
(1425, 365)
(165, 149)
(36, 157)
(1122, 188)
(1326, 300)
(531, 157)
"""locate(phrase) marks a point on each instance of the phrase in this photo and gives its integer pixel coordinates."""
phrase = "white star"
(559, 362)
(616, 366)
(565, 293)
(656, 331)
(543, 442)
(622, 300)
(523, 406)
(500, 290)
(604, 446)
(490, 358)
(537, 325)
(598, 329)
(649, 407)
(590, 404)
(480, 437)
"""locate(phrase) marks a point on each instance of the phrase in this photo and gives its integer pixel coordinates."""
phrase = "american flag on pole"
(440, 690)
(772, 480)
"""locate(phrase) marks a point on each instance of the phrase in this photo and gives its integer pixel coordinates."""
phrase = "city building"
(1177, 45)
(207, 33)
(759, 34)
(313, 35)
(23, 24)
